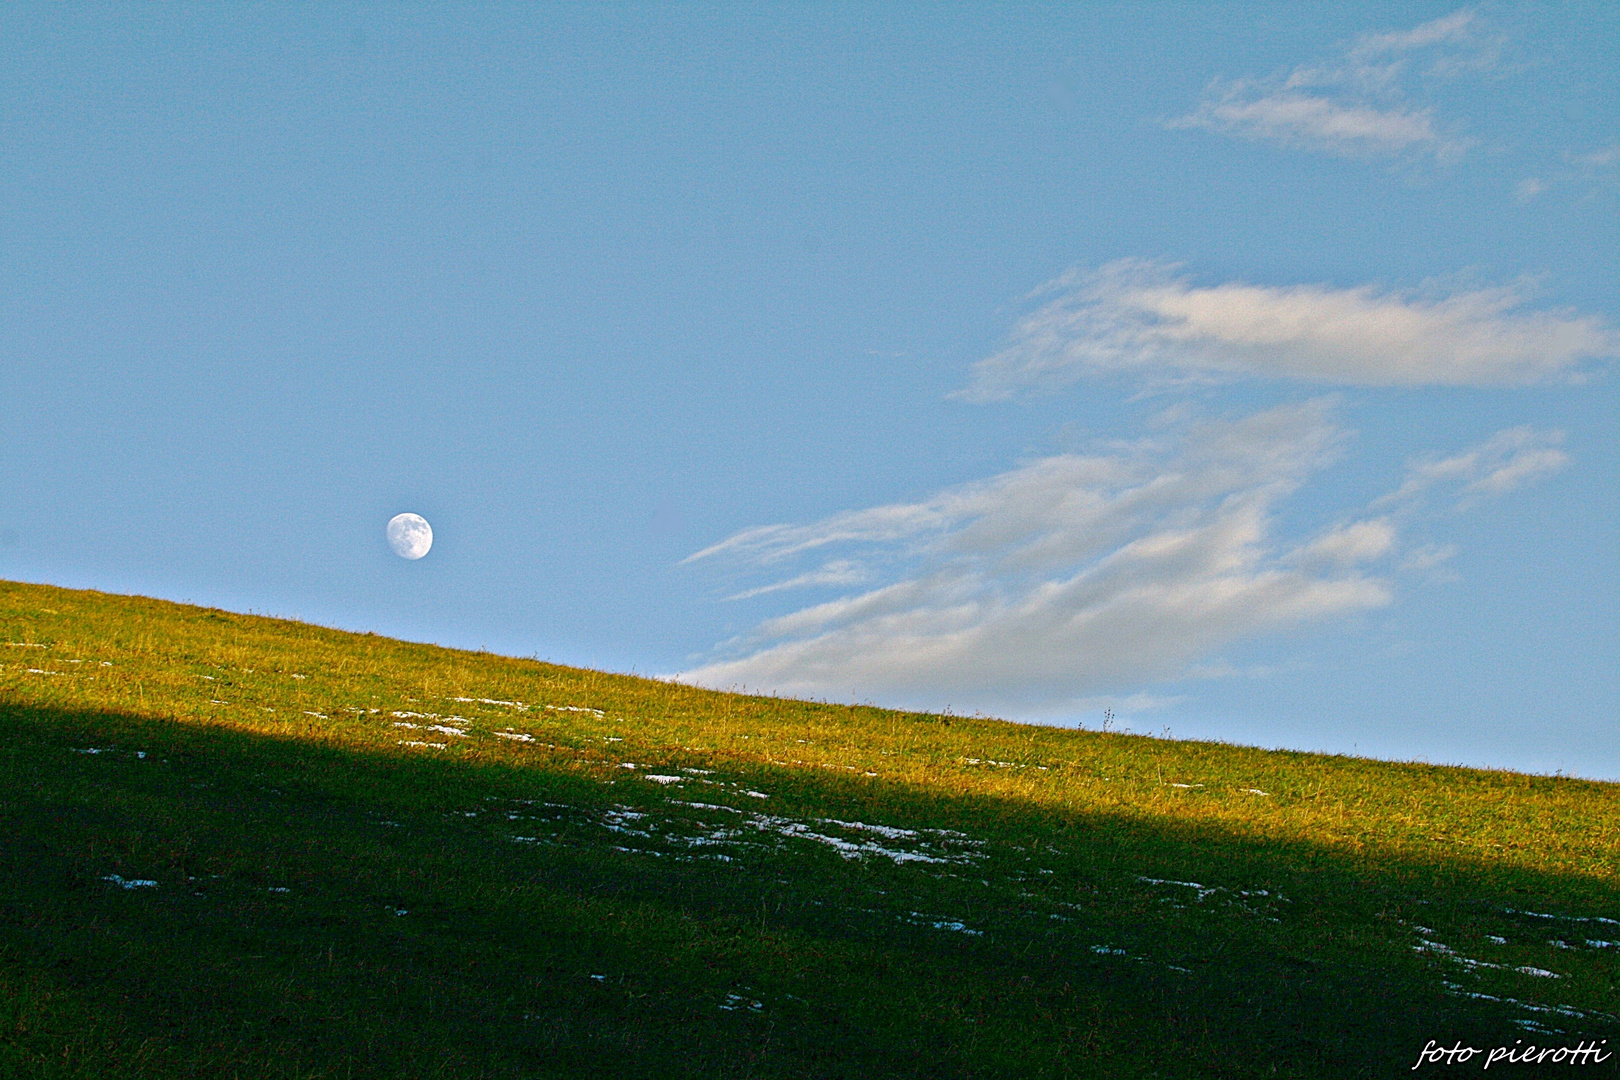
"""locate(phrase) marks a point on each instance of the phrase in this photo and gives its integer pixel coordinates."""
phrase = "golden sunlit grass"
(369, 857)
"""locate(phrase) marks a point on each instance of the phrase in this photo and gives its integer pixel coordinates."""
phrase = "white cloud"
(1068, 578)
(1505, 462)
(1355, 104)
(836, 572)
(1596, 160)
(1142, 319)
(1448, 29)
(1428, 557)
(1529, 188)
(1362, 541)
(1254, 111)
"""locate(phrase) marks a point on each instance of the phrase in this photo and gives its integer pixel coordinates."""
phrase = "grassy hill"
(237, 846)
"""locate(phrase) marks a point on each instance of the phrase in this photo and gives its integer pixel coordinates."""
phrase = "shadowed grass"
(512, 907)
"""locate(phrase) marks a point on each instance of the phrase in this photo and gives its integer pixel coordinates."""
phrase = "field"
(237, 846)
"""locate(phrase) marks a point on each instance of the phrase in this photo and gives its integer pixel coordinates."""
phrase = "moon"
(409, 535)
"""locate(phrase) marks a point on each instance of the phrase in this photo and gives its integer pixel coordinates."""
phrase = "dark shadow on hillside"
(320, 911)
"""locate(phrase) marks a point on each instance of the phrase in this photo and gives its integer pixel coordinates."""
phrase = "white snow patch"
(882, 830)
(1569, 918)
(490, 701)
(1203, 890)
(130, 883)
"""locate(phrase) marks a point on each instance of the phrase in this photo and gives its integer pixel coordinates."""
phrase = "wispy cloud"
(1505, 462)
(1083, 578)
(1591, 169)
(1356, 104)
(1071, 577)
(1145, 320)
(836, 572)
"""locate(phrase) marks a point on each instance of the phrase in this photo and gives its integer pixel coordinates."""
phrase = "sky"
(1245, 372)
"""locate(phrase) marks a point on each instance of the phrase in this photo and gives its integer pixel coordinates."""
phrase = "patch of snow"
(658, 778)
(946, 924)
(1203, 890)
(1559, 1010)
(431, 745)
(447, 730)
(882, 830)
(130, 883)
(515, 735)
(1568, 918)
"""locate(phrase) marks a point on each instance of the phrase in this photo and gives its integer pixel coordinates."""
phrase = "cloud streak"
(1505, 462)
(1082, 577)
(1069, 577)
(1355, 104)
(1144, 320)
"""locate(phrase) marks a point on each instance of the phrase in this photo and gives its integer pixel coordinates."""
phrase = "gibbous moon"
(409, 535)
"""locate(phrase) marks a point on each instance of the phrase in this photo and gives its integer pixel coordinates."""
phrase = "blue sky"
(1246, 371)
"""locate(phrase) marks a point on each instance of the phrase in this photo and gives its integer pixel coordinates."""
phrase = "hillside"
(237, 846)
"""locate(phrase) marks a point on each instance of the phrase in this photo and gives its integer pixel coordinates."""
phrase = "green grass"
(333, 901)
